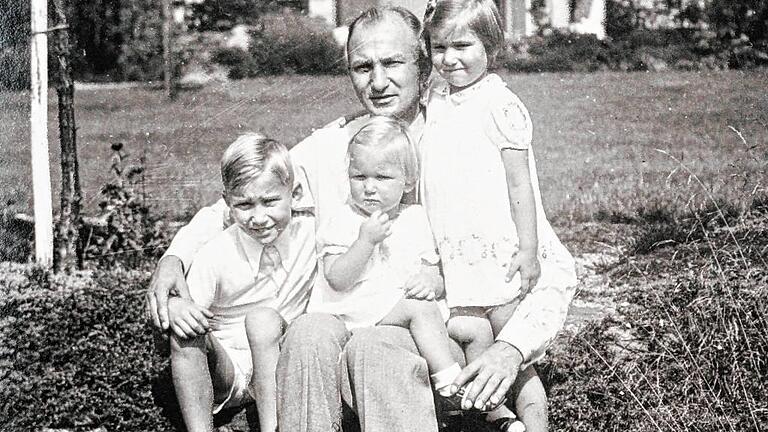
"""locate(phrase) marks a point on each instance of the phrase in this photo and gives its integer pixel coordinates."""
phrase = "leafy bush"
(75, 352)
(220, 15)
(130, 235)
(286, 43)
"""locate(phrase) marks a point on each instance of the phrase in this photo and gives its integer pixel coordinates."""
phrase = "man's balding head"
(388, 61)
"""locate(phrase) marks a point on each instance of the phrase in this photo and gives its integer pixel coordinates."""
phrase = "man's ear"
(225, 196)
(298, 192)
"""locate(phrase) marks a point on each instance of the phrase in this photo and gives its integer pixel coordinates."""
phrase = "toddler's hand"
(420, 287)
(188, 319)
(376, 228)
(527, 263)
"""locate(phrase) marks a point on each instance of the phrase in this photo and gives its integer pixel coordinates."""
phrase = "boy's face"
(262, 208)
(375, 182)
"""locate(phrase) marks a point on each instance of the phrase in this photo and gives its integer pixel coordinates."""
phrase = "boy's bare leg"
(193, 364)
(425, 322)
(264, 327)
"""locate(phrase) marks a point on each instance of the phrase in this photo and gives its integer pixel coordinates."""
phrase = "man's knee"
(264, 326)
(312, 332)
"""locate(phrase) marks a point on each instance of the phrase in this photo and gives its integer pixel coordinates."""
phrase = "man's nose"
(379, 78)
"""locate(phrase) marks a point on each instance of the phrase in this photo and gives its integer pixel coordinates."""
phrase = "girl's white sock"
(442, 380)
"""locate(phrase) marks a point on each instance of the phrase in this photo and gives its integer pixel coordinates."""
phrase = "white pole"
(41, 174)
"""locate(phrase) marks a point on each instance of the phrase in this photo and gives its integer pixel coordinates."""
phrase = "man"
(376, 371)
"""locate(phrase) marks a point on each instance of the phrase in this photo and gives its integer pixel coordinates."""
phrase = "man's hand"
(188, 320)
(425, 285)
(490, 376)
(376, 228)
(168, 278)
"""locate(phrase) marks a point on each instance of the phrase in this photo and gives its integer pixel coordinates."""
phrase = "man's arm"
(169, 275)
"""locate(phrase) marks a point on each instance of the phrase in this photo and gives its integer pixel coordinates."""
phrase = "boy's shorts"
(243, 369)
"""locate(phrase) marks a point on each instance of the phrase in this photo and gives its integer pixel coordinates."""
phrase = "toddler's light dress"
(393, 261)
(464, 190)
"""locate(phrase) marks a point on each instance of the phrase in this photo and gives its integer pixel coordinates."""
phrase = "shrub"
(292, 43)
(130, 236)
(75, 353)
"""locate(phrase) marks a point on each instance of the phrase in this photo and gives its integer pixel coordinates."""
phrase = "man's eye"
(438, 48)
(361, 69)
(392, 64)
(358, 177)
(243, 206)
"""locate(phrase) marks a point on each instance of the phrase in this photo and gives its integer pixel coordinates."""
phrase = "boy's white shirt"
(320, 164)
(222, 276)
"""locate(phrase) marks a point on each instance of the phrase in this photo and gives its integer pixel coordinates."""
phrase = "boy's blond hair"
(389, 136)
(250, 156)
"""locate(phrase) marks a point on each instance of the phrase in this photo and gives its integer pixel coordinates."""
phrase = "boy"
(248, 282)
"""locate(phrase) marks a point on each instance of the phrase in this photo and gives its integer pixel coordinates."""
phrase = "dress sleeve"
(509, 124)
(337, 235)
(206, 223)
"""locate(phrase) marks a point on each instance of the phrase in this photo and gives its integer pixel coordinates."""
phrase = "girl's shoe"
(507, 424)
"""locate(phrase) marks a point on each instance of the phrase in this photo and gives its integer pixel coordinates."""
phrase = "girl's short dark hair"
(480, 16)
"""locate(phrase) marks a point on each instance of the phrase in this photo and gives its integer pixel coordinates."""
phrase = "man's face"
(262, 207)
(383, 68)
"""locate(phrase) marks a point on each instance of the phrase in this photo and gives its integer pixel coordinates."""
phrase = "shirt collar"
(444, 89)
(253, 249)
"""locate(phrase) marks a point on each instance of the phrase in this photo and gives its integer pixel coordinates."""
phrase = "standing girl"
(480, 188)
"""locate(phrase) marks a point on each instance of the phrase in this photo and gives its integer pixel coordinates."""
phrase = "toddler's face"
(262, 208)
(376, 182)
(459, 56)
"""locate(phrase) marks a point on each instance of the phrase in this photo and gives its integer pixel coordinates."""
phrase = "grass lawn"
(596, 137)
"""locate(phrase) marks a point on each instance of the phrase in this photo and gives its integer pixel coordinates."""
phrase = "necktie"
(269, 264)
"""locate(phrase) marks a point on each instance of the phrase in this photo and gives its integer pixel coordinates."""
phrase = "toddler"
(255, 278)
(479, 185)
(372, 247)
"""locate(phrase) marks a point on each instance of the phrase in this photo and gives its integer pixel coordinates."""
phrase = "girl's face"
(459, 56)
(375, 181)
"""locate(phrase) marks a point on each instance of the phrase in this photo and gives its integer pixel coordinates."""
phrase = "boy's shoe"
(507, 424)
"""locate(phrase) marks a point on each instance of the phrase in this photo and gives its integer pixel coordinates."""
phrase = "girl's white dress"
(464, 190)
(396, 259)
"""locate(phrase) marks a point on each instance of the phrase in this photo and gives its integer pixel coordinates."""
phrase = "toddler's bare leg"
(264, 327)
(201, 371)
(425, 322)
